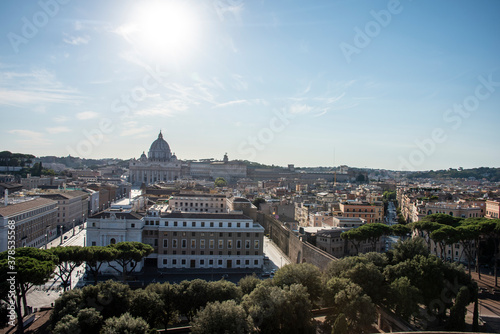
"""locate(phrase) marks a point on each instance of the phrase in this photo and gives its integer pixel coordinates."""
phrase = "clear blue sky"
(383, 84)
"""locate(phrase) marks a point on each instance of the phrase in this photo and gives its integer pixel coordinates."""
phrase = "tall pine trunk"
(478, 270)
(19, 312)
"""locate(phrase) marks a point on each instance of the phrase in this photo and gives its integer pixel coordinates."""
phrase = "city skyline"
(395, 85)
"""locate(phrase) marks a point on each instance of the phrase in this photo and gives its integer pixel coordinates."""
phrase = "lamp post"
(74, 227)
(46, 240)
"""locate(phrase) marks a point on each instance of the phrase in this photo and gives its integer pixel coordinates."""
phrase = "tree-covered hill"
(490, 174)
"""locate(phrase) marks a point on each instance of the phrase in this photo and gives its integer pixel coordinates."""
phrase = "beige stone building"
(34, 221)
(72, 207)
(371, 212)
(211, 203)
(204, 240)
(183, 239)
(493, 209)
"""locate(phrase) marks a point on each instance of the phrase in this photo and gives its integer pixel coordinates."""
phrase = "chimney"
(6, 197)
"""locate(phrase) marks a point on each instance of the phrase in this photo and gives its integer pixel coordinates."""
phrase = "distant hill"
(252, 164)
(490, 174)
(75, 162)
(8, 158)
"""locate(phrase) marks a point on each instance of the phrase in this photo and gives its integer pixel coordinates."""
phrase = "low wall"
(297, 250)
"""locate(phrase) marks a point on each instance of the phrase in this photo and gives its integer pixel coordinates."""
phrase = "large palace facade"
(160, 165)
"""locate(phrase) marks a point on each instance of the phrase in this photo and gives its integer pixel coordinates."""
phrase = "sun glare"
(165, 27)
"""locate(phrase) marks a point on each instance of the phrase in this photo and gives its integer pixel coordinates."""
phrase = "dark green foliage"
(70, 303)
(193, 295)
(340, 325)
(33, 266)
(90, 321)
(220, 182)
(389, 196)
(125, 324)
(147, 305)
(459, 310)
(491, 174)
(346, 297)
(445, 235)
(380, 260)
(67, 325)
(400, 230)
(248, 283)
(169, 296)
(95, 256)
(108, 298)
(363, 272)
(270, 308)
(128, 252)
(369, 278)
(223, 290)
(368, 232)
(404, 298)
(441, 218)
(222, 317)
(304, 273)
(408, 249)
(336, 268)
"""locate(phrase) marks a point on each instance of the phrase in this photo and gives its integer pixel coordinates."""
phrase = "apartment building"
(210, 203)
(493, 209)
(72, 207)
(204, 240)
(371, 212)
(183, 239)
(34, 220)
(331, 242)
(463, 210)
(321, 219)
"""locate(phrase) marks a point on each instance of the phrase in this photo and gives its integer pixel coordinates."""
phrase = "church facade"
(160, 165)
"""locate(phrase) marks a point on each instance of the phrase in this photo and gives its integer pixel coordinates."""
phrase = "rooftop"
(204, 215)
(14, 209)
(119, 215)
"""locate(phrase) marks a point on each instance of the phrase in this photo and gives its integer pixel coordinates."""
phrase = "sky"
(400, 85)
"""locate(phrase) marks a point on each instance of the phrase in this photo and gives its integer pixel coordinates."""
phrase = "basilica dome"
(159, 150)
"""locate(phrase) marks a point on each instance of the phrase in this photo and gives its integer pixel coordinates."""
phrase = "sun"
(164, 27)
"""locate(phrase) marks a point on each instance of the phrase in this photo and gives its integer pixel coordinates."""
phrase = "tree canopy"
(32, 266)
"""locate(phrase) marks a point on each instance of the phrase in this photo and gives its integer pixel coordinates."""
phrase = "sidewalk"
(489, 301)
(486, 282)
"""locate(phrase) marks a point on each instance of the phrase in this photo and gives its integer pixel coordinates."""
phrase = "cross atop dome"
(159, 150)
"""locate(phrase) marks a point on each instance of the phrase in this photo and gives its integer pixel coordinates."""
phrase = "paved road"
(489, 301)
(277, 258)
(44, 295)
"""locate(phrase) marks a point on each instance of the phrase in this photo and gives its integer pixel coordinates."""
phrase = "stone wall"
(298, 251)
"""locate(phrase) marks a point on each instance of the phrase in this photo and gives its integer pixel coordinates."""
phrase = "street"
(277, 258)
(46, 294)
